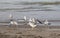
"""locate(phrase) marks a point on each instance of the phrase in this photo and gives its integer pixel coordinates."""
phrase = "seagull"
(32, 23)
(46, 22)
(13, 23)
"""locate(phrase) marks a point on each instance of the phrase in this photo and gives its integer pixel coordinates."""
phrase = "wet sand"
(28, 32)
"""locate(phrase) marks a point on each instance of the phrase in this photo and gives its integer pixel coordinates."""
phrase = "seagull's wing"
(39, 21)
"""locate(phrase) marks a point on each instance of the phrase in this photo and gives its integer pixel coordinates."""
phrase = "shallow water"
(20, 8)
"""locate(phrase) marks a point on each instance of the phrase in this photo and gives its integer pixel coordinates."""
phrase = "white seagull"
(32, 23)
(46, 22)
(12, 22)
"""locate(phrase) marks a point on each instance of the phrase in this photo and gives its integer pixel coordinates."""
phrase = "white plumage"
(46, 22)
(13, 23)
(32, 23)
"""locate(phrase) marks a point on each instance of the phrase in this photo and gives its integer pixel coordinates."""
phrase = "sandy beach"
(28, 32)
